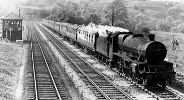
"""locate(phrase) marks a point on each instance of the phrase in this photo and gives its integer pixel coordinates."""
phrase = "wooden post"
(10, 32)
(6, 33)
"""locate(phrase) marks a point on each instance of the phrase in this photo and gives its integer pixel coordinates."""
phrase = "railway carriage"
(45, 22)
(57, 26)
(63, 26)
(86, 37)
(51, 24)
(63, 29)
(71, 32)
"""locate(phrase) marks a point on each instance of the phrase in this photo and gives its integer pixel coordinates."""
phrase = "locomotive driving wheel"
(163, 84)
(145, 82)
(134, 77)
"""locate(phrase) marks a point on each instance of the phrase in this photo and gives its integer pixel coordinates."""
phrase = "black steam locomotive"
(132, 53)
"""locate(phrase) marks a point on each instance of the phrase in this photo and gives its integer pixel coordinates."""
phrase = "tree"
(176, 23)
(146, 29)
(132, 20)
(174, 29)
(136, 7)
(68, 12)
(170, 4)
(181, 16)
(178, 29)
(119, 23)
(106, 22)
(159, 15)
(141, 17)
(116, 11)
(140, 25)
(169, 18)
(94, 18)
(143, 20)
(175, 11)
(181, 28)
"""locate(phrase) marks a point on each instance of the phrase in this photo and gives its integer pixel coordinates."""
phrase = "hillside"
(11, 61)
(39, 3)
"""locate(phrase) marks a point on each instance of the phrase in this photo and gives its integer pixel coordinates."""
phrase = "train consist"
(134, 54)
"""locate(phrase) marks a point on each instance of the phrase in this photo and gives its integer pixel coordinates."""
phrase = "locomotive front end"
(145, 59)
(154, 51)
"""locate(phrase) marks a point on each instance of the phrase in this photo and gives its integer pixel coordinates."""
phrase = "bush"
(106, 22)
(176, 23)
(146, 29)
(163, 25)
(174, 30)
(94, 18)
(178, 29)
(120, 23)
(175, 11)
(181, 28)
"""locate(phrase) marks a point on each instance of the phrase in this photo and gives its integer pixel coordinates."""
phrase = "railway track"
(46, 84)
(102, 87)
(167, 94)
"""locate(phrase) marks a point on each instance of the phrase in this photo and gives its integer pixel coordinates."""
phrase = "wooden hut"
(12, 27)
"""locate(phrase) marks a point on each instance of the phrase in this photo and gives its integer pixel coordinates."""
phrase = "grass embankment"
(175, 56)
(10, 63)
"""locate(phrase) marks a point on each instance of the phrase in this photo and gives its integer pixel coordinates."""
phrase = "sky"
(7, 6)
(165, 0)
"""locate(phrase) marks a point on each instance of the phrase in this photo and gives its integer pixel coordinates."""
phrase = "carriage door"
(113, 44)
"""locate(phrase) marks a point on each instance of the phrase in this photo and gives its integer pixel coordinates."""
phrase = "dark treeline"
(90, 11)
(130, 14)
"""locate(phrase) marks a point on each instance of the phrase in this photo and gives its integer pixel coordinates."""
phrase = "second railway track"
(46, 84)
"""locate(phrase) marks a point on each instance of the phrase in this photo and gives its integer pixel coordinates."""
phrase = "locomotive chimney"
(151, 37)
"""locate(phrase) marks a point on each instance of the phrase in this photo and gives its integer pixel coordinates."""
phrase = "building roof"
(12, 16)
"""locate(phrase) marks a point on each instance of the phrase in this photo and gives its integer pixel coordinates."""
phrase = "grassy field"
(175, 56)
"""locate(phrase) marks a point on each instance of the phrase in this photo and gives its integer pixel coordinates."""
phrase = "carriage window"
(92, 38)
(89, 39)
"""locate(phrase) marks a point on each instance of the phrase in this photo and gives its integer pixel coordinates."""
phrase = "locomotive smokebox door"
(12, 27)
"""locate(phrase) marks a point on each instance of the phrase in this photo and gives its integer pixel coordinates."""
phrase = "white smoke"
(8, 6)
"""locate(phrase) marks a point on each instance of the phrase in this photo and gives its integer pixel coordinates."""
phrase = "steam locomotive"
(134, 54)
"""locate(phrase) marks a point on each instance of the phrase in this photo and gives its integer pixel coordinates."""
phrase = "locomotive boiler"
(141, 46)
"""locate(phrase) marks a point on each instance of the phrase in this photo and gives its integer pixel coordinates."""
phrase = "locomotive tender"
(132, 53)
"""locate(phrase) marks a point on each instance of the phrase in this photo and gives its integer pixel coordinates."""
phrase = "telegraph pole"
(52, 15)
(112, 19)
(19, 13)
(112, 16)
